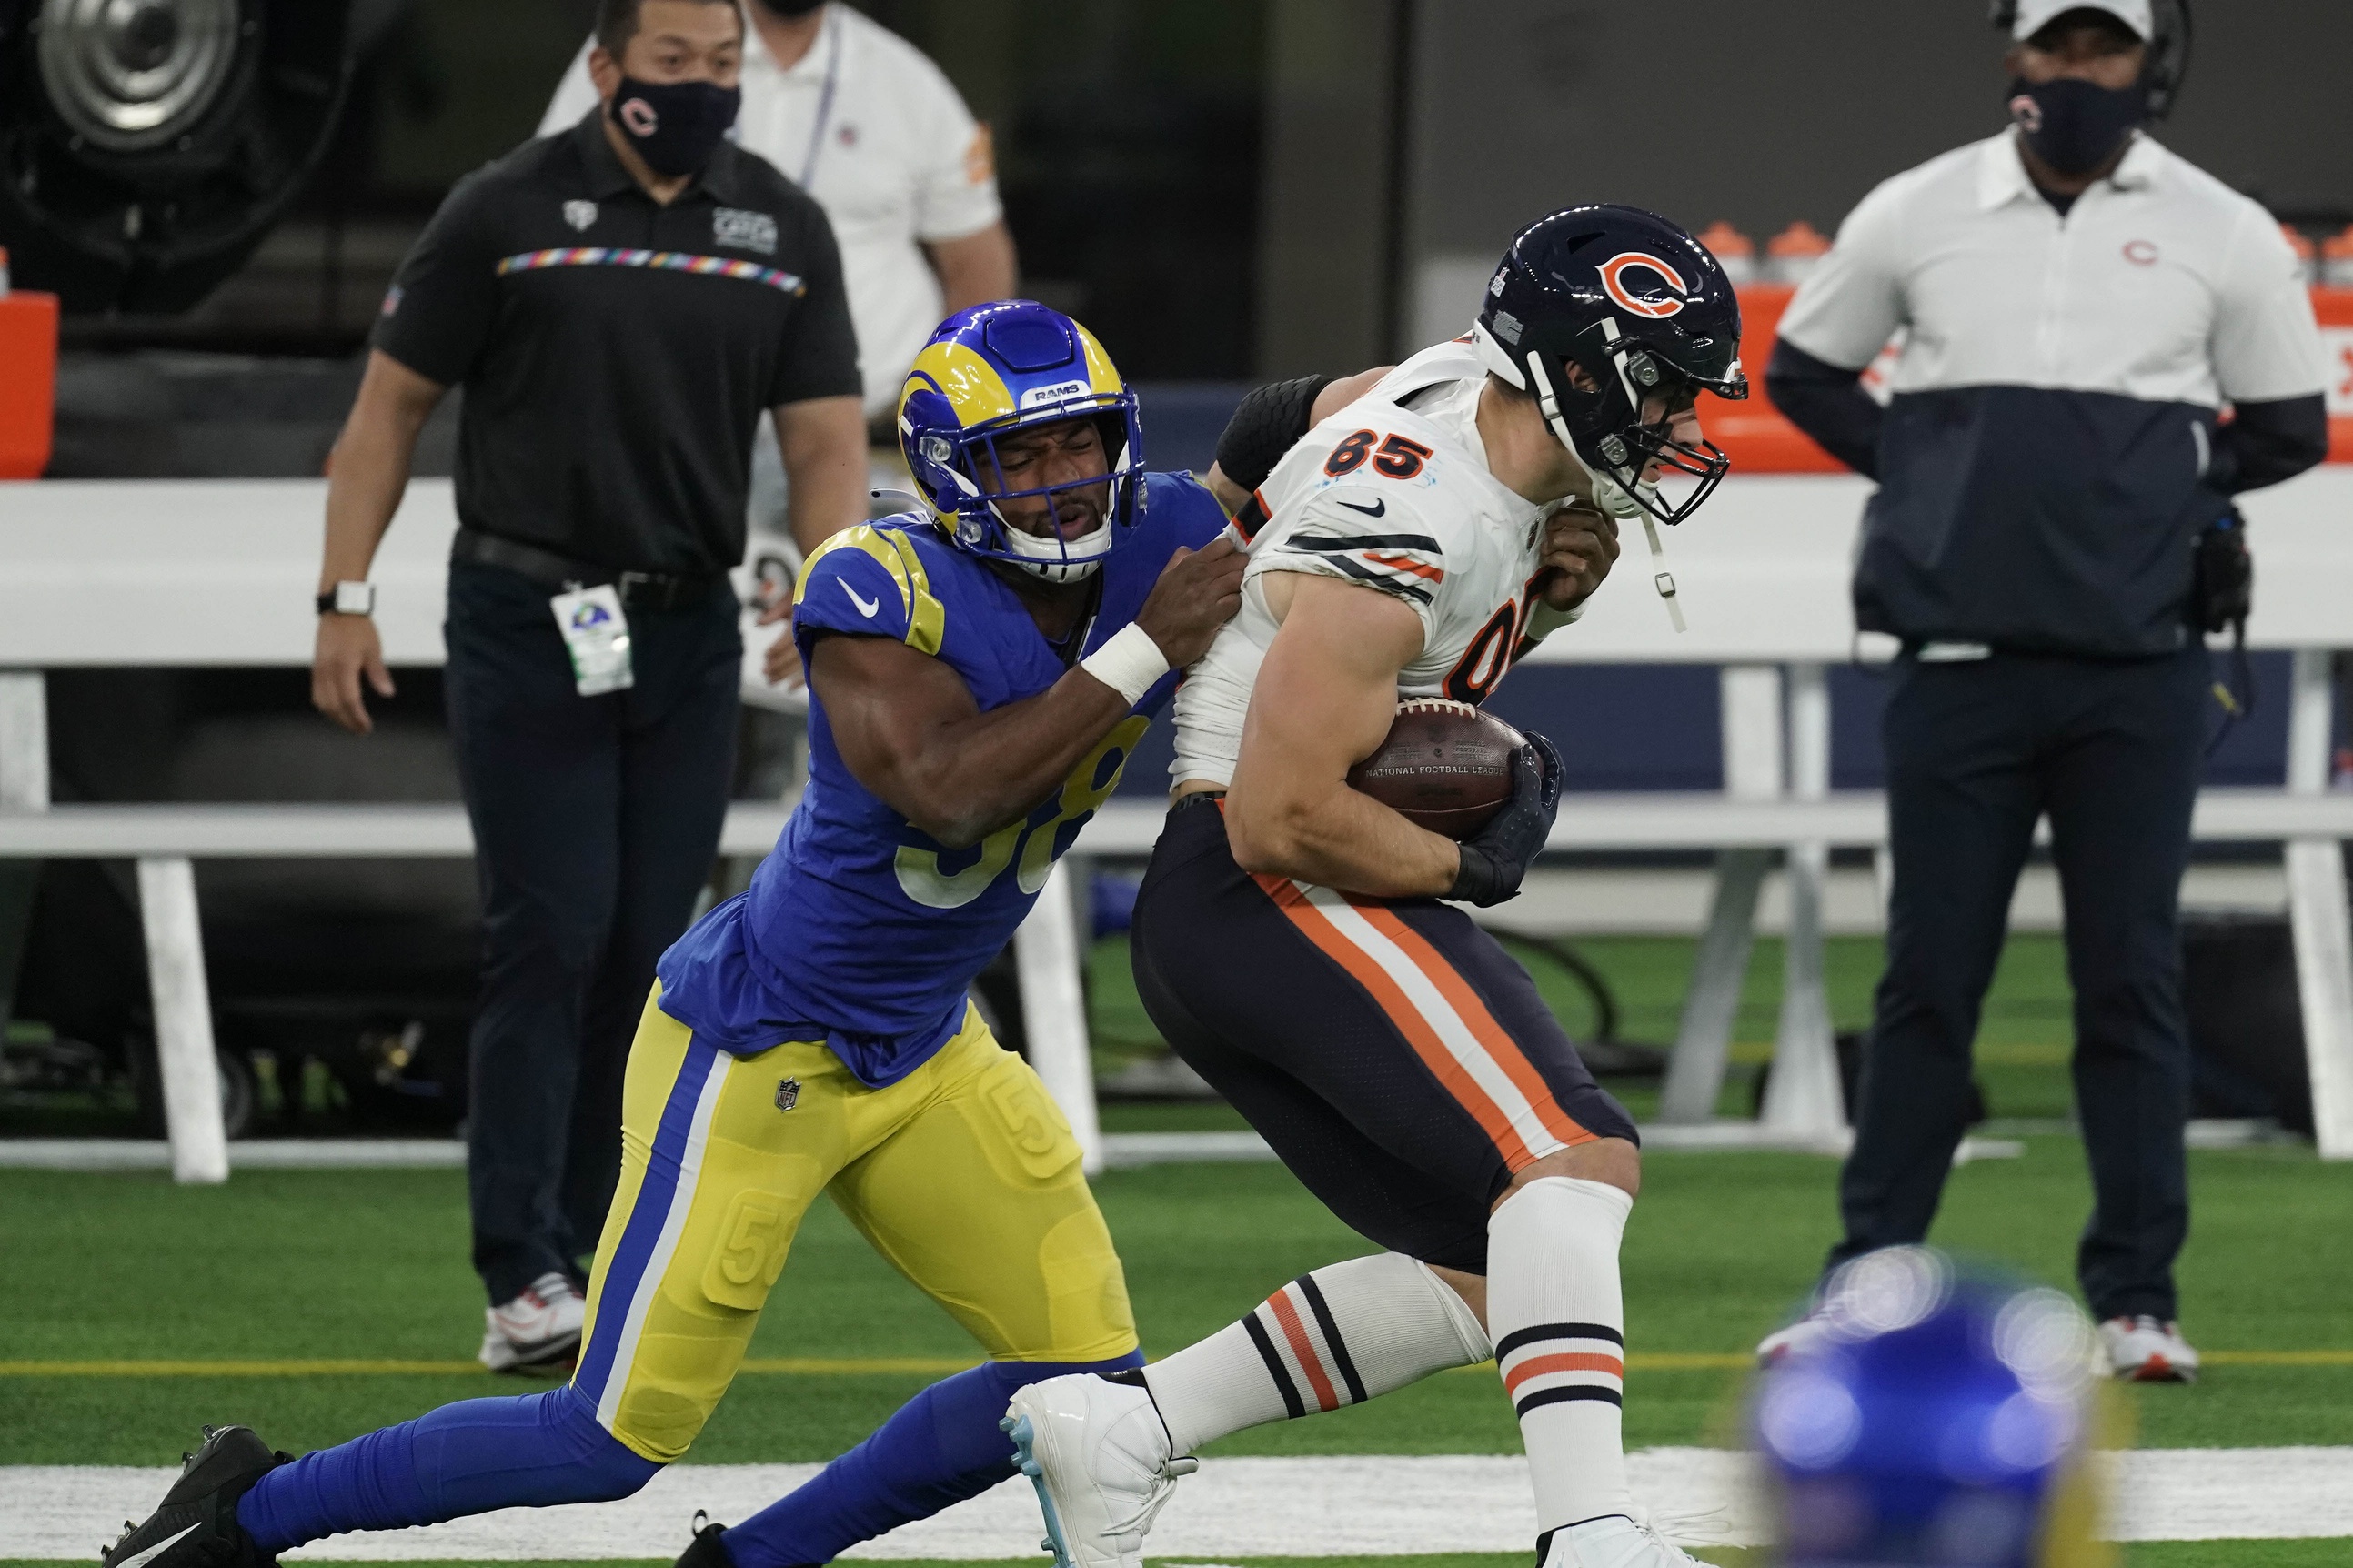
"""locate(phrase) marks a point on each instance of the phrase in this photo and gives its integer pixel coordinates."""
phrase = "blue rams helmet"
(1944, 1418)
(1643, 309)
(1014, 365)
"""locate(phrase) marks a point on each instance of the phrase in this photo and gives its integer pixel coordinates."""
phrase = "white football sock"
(1339, 1336)
(1560, 1324)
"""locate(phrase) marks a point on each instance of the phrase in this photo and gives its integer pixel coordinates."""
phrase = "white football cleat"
(1614, 1541)
(1097, 1451)
(1804, 1334)
(2148, 1350)
(540, 1326)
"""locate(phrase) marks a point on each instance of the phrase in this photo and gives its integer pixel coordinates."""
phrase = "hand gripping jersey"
(860, 929)
(1392, 491)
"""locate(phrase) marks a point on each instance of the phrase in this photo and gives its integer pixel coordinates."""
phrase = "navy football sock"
(463, 1458)
(941, 1446)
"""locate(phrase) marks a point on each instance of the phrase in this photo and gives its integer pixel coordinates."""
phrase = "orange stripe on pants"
(1452, 1076)
(1491, 1034)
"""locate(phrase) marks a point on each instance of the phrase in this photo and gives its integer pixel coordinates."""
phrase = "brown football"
(1444, 765)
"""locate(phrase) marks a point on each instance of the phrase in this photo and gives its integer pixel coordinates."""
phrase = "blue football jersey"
(858, 929)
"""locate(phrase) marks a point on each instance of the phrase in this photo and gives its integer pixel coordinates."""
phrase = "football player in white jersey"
(1290, 939)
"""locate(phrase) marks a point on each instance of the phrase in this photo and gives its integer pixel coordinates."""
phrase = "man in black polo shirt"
(620, 303)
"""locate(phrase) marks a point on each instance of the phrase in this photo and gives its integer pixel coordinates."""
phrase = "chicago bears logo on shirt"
(1653, 302)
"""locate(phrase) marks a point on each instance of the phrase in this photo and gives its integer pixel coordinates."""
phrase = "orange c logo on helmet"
(1613, 272)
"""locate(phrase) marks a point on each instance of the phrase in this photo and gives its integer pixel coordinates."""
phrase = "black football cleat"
(705, 1551)
(195, 1526)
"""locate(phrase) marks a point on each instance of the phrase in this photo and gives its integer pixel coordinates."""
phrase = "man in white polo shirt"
(2077, 303)
(863, 122)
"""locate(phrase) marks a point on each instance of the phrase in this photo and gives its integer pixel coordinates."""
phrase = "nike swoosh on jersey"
(866, 607)
(160, 1546)
(1378, 508)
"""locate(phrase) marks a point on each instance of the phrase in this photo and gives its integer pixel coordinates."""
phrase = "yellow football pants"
(964, 1175)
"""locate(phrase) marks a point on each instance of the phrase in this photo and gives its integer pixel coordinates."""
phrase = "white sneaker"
(1097, 1451)
(540, 1326)
(1804, 1334)
(1615, 1542)
(2148, 1350)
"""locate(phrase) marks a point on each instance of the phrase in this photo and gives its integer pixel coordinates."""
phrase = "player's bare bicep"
(882, 701)
(1328, 690)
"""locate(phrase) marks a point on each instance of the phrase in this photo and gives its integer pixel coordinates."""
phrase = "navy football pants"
(1976, 752)
(595, 822)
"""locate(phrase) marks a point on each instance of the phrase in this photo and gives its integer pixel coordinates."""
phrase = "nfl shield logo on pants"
(788, 1093)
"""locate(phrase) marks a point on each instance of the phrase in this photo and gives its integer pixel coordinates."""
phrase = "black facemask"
(2075, 126)
(790, 10)
(674, 125)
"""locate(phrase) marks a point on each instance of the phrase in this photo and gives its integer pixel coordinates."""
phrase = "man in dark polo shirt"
(620, 303)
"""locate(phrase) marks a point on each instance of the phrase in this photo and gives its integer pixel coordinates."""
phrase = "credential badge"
(788, 1093)
(580, 215)
(743, 231)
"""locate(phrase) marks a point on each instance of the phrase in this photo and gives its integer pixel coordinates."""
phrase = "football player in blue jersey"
(979, 671)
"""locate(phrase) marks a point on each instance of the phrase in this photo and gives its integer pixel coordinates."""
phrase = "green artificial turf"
(371, 1264)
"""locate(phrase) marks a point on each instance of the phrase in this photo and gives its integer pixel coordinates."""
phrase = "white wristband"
(1131, 663)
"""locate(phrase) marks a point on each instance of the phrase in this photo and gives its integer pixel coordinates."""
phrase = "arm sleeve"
(819, 357)
(1267, 422)
(2267, 442)
(1853, 301)
(866, 582)
(956, 177)
(2266, 346)
(576, 95)
(1391, 551)
(1828, 403)
(443, 301)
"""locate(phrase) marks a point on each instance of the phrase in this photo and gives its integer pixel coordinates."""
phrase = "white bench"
(220, 572)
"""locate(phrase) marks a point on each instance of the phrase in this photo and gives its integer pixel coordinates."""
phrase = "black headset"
(2169, 52)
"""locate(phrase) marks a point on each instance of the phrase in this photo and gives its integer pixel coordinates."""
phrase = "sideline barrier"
(219, 573)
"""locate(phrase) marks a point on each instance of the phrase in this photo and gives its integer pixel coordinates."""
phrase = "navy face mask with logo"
(2075, 126)
(674, 125)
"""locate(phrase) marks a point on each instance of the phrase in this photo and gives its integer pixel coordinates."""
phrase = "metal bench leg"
(1704, 1040)
(1803, 1097)
(1047, 953)
(2319, 918)
(183, 1021)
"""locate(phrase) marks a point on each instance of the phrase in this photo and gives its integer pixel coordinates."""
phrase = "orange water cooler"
(28, 379)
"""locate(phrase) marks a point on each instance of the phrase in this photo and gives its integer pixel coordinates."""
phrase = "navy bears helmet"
(1645, 311)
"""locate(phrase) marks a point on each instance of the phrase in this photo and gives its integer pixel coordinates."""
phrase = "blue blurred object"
(1112, 902)
(1940, 1418)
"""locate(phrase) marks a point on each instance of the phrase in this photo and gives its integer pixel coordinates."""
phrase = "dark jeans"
(1976, 751)
(596, 822)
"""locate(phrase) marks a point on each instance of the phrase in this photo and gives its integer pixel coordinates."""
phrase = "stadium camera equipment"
(147, 146)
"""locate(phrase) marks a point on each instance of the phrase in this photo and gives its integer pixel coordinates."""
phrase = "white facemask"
(1060, 559)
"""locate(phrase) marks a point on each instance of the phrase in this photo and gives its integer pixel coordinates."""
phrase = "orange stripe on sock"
(1544, 1365)
(1498, 1042)
(1451, 1075)
(1303, 1347)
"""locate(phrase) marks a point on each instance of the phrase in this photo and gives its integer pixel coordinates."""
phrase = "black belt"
(1198, 798)
(639, 590)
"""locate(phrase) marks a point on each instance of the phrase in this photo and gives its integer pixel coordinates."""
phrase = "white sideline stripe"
(1460, 1042)
(1300, 1507)
(681, 1202)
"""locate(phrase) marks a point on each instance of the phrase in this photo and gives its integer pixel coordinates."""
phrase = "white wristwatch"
(349, 599)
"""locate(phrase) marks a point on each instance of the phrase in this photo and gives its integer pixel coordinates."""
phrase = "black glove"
(1495, 858)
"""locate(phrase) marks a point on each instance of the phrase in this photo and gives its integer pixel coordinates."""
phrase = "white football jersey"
(1393, 491)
